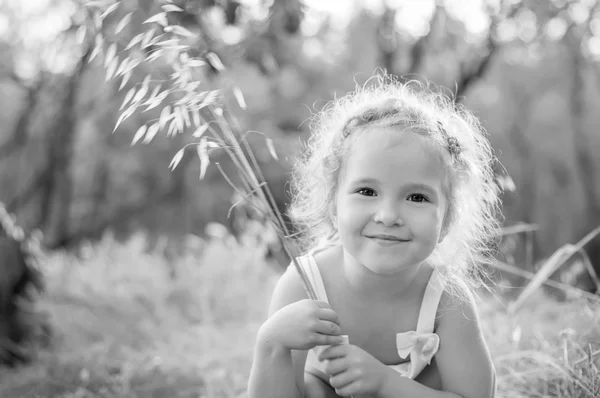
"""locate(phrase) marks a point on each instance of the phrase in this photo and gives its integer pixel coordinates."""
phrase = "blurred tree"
(445, 33)
(41, 68)
(50, 190)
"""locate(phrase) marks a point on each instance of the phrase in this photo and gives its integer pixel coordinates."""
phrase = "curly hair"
(470, 224)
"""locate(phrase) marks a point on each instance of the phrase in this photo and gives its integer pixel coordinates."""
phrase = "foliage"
(215, 129)
(160, 42)
(131, 323)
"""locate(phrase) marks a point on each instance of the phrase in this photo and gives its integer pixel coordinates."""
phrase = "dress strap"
(429, 306)
(309, 265)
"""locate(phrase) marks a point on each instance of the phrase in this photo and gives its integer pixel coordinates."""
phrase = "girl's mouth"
(387, 239)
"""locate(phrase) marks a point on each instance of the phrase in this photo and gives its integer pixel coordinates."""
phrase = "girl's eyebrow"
(412, 185)
(421, 186)
(365, 180)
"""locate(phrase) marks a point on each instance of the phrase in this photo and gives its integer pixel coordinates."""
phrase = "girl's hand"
(353, 371)
(302, 325)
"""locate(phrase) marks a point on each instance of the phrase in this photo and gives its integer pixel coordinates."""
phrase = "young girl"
(397, 198)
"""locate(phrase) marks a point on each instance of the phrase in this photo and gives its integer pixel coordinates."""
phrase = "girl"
(397, 197)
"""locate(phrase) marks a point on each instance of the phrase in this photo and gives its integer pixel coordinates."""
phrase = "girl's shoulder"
(290, 286)
(457, 308)
(288, 289)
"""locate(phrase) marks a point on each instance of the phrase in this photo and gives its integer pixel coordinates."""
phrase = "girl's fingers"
(334, 366)
(327, 314)
(335, 351)
(348, 390)
(342, 382)
(322, 304)
(324, 339)
(327, 327)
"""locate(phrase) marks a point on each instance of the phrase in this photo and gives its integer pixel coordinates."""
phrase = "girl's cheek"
(432, 218)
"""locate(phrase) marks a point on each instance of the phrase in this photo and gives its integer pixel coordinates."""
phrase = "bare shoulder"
(289, 289)
(458, 308)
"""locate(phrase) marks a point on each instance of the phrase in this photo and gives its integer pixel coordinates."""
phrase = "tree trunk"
(584, 159)
(20, 134)
(583, 156)
(57, 190)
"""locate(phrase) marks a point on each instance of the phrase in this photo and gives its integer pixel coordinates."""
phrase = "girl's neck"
(370, 285)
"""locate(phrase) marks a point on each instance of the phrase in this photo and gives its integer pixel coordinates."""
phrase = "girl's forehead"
(374, 139)
(399, 153)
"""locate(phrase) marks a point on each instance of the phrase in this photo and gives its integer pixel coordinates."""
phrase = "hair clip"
(454, 146)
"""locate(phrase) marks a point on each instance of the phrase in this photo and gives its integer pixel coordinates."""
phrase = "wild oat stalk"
(188, 108)
(556, 260)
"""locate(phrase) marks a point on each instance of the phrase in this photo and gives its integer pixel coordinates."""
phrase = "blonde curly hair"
(473, 205)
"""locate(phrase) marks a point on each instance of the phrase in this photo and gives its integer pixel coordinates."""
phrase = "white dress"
(419, 345)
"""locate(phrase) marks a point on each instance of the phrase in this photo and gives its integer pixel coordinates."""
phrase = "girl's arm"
(463, 360)
(276, 370)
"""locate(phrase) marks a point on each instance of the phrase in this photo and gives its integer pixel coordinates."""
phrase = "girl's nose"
(388, 215)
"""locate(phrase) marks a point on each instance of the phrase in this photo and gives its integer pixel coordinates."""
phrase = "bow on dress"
(425, 345)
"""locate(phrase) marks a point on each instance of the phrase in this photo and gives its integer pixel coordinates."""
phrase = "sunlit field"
(129, 323)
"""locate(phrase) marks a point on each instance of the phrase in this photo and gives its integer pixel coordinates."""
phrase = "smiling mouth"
(389, 238)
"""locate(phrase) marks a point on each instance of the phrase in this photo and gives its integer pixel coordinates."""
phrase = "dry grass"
(125, 328)
(547, 349)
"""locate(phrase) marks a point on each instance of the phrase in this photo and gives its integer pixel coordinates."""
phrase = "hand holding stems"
(302, 325)
(353, 371)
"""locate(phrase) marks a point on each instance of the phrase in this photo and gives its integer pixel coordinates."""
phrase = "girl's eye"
(366, 192)
(417, 197)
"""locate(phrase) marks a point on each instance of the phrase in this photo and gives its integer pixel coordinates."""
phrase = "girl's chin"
(387, 264)
(386, 268)
(383, 262)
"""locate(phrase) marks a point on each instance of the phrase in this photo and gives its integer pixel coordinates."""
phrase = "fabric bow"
(425, 345)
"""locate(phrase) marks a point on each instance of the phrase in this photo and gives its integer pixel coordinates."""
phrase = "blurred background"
(117, 222)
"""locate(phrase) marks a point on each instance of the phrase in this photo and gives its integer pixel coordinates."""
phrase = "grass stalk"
(557, 260)
(549, 282)
(255, 186)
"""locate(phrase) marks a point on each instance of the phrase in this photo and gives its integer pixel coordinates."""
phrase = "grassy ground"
(124, 326)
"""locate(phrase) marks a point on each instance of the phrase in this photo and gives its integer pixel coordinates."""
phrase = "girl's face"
(390, 201)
